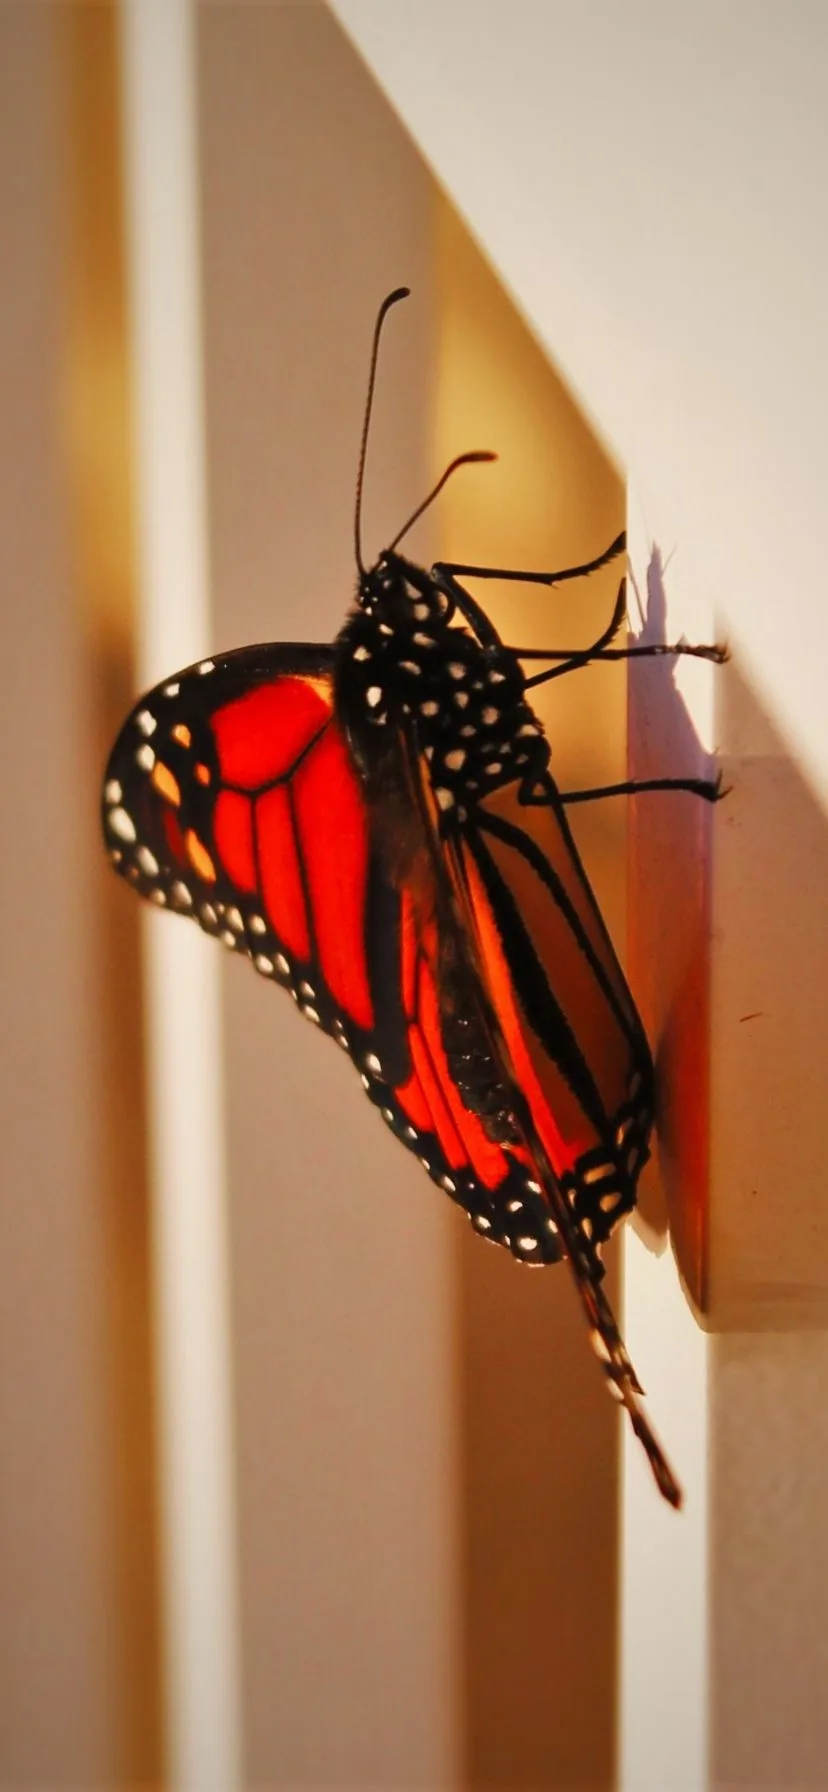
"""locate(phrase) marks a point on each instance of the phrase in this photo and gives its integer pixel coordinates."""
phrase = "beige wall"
(394, 1472)
(650, 181)
(539, 1439)
(314, 206)
(427, 1464)
(77, 1636)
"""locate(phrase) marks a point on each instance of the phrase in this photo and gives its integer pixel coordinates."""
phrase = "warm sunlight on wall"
(97, 422)
(539, 1592)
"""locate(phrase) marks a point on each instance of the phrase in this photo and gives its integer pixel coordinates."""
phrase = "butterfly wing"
(563, 1003)
(230, 797)
(565, 1037)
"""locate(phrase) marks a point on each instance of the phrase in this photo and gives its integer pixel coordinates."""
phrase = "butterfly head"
(402, 598)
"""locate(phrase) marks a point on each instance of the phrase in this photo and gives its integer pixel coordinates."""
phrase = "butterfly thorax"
(404, 661)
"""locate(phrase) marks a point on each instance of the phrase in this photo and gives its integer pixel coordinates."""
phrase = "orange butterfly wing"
(230, 797)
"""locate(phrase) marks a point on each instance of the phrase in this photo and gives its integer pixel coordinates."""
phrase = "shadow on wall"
(737, 1011)
(670, 857)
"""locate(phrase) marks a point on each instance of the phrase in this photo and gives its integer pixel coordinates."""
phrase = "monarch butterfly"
(353, 818)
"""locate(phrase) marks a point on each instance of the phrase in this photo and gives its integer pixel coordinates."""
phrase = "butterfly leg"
(708, 788)
(487, 633)
(454, 569)
(571, 660)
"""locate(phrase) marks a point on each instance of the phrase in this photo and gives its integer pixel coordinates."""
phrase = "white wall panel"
(650, 181)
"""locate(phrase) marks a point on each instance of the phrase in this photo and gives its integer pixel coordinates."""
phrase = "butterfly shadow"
(729, 964)
(669, 898)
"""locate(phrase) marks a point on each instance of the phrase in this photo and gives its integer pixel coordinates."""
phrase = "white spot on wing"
(207, 666)
(147, 861)
(146, 722)
(145, 758)
(113, 791)
(121, 824)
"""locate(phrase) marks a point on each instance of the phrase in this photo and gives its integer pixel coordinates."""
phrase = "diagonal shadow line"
(729, 964)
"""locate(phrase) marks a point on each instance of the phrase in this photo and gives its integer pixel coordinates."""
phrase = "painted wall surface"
(538, 1441)
(650, 182)
(341, 1249)
(399, 1444)
(78, 1636)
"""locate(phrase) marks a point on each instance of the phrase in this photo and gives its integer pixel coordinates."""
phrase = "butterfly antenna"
(462, 461)
(400, 292)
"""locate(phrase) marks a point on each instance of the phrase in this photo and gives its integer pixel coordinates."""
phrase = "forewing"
(230, 797)
(218, 803)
